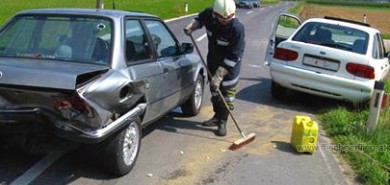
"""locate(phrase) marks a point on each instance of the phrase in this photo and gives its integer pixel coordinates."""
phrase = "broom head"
(243, 141)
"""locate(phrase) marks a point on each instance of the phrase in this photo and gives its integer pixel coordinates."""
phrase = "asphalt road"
(178, 150)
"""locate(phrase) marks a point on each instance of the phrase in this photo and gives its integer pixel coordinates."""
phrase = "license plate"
(321, 63)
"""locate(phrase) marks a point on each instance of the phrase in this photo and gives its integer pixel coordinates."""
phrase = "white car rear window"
(334, 36)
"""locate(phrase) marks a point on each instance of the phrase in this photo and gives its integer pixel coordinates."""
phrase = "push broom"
(245, 139)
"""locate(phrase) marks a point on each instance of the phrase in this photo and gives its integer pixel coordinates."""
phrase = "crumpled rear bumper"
(17, 115)
(67, 129)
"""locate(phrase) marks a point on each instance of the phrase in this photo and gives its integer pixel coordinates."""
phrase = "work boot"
(211, 122)
(221, 129)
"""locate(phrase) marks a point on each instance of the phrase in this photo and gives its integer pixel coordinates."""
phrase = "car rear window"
(65, 38)
(334, 36)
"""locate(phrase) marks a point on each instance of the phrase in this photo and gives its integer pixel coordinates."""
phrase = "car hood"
(46, 73)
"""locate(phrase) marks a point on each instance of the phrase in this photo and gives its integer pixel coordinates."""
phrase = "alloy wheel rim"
(198, 94)
(131, 143)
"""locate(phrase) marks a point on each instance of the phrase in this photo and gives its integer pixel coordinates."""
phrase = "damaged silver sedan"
(94, 76)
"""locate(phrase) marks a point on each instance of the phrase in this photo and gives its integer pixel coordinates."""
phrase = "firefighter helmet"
(224, 9)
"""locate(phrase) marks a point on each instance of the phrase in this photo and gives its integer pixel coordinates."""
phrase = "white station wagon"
(329, 57)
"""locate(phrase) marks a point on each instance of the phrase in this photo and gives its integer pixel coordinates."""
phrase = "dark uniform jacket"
(226, 45)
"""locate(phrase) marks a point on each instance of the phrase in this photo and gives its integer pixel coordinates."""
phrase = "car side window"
(162, 40)
(378, 51)
(136, 47)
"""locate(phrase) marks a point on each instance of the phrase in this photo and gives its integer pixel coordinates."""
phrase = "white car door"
(380, 60)
(285, 26)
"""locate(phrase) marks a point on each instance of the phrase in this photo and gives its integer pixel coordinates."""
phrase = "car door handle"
(165, 70)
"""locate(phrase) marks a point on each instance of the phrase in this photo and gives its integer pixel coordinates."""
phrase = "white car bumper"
(321, 84)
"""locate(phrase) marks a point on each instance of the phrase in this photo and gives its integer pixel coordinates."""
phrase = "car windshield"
(65, 38)
(334, 36)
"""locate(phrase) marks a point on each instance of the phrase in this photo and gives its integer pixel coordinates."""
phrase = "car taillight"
(75, 103)
(285, 54)
(360, 70)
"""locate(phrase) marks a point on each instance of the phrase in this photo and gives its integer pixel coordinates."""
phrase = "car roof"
(85, 11)
(368, 29)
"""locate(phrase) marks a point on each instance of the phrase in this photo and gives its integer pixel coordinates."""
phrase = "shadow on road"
(286, 147)
(172, 123)
(297, 101)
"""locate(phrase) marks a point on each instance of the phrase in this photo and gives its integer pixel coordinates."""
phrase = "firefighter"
(226, 46)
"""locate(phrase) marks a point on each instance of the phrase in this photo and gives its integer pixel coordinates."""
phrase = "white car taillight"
(285, 54)
(361, 70)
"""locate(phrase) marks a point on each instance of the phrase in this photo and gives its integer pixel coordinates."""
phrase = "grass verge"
(162, 8)
(269, 2)
(368, 153)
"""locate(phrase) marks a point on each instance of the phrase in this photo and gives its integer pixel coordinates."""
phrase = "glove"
(218, 77)
(192, 26)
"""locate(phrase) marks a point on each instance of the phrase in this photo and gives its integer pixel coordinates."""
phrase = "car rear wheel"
(278, 91)
(192, 106)
(121, 150)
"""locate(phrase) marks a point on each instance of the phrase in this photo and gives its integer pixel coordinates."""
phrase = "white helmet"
(225, 8)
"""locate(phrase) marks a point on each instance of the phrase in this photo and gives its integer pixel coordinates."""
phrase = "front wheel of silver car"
(192, 106)
(122, 150)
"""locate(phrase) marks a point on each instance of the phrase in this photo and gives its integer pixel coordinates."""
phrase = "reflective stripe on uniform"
(230, 82)
(229, 63)
(222, 43)
(229, 99)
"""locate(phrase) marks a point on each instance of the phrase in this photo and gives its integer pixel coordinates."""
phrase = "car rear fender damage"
(114, 99)
(100, 104)
(113, 93)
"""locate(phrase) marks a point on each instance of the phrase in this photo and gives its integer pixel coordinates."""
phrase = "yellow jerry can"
(304, 134)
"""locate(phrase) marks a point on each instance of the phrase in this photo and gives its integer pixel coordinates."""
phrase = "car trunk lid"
(46, 73)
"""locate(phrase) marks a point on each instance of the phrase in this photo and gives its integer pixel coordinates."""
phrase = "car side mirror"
(187, 48)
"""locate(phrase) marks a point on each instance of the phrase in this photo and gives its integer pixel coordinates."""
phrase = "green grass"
(385, 36)
(296, 8)
(162, 8)
(288, 23)
(269, 2)
(371, 156)
(350, 3)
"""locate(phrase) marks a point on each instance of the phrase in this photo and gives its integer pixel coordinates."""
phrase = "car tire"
(121, 150)
(278, 91)
(194, 103)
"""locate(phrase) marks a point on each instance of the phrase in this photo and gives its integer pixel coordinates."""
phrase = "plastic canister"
(304, 134)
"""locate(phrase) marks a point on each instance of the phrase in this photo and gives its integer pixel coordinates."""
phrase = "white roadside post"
(99, 4)
(186, 7)
(375, 106)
